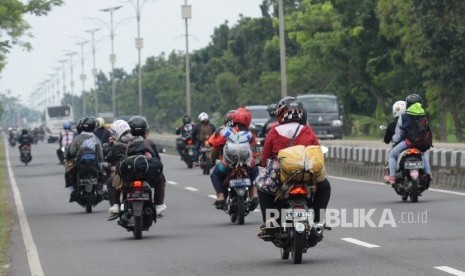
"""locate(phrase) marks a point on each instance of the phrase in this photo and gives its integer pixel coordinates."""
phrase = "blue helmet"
(67, 125)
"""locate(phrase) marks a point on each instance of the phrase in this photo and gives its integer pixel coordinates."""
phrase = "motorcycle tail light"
(189, 141)
(137, 185)
(299, 190)
(413, 151)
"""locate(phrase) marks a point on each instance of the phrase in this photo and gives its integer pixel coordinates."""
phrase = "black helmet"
(79, 125)
(413, 98)
(88, 124)
(138, 125)
(228, 118)
(186, 119)
(289, 109)
(271, 110)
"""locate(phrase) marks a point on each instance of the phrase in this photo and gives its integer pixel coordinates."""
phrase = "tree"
(13, 26)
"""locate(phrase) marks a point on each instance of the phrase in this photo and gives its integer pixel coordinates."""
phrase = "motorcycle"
(204, 158)
(25, 153)
(90, 190)
(411, 179)
(12, 141)
(238, 200)
(186, 145)
(137, 212)
(296, 232)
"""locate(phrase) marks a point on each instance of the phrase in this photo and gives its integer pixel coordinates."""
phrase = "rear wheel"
(414, 191)
(137, 227)
(404, 197)
(297, 244)
(240, 210)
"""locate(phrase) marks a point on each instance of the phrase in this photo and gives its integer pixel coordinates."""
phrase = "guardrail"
(369, 162)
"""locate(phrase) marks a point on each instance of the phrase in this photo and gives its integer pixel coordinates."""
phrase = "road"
(425, 238)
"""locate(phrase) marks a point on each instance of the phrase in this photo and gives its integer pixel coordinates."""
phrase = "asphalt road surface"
(374, 232)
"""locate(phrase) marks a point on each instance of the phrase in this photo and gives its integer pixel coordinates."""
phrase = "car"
(323, 115)
(260, 116)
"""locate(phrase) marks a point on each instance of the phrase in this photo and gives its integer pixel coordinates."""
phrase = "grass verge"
(5, 211)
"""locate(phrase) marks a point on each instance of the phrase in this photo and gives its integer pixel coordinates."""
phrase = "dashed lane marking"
(172, 182)
(359, 242)
(450, 270)
(191, 189)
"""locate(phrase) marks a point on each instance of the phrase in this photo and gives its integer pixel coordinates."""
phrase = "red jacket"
(279, 137)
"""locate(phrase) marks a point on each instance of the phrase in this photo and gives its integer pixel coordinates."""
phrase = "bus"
(55, 117)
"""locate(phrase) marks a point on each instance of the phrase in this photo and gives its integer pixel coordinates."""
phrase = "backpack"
(419, 134)
(87, 156)
(205, 132)
(237, 148)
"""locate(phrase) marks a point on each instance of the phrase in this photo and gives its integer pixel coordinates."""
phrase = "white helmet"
(118, 128)
(203, 116)
(398, 108)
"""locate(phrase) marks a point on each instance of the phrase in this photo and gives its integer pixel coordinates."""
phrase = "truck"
(55, 117)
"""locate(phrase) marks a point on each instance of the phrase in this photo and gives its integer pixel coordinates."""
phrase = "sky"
(161, 26)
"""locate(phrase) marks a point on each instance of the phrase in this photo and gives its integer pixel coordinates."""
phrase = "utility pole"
(186, 15)
(83, 78)
(112, 57)
(282, 50)
(94, 69)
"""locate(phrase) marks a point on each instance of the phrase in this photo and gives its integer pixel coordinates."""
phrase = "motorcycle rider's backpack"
(419, 134)
(87, 155)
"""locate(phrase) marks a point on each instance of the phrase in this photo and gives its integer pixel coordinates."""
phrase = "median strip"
(359, 242)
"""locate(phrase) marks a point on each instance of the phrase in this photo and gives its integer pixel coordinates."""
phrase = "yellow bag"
(298, 161)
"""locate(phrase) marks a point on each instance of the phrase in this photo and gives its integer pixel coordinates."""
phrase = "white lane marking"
(31, 250)
(191, 189)
(172, 182)
(382, 184)
(212, 196)
(359, 242)
(450, 270)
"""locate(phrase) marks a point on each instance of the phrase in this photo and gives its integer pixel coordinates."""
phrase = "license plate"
(413, 164)
(241, 182)
(204, 149)
(297, 214)
(137, 197)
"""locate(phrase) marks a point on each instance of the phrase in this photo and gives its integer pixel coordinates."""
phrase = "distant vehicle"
(107, 117)
(323, 115)
(259, 117)
(55, 117)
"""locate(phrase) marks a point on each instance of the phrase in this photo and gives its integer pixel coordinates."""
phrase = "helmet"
(67, 125)
(138, 125)
(88, 124)
(203, 117)
(228, 118)
(186, 119)
(398, 108)
(118, 128)
(413, 98)
(271, 110)
(79, 125)
(24, 131)
(100, 122)
(242, 116)
(289, 109)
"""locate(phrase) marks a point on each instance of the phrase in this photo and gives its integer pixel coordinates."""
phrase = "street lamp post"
(63, 61)
(83, 78)
(94, 69)
(186, 15)
(71, 82)
(282, 50)
(112, 57)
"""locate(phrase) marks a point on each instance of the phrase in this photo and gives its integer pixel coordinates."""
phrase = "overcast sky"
(162, 29)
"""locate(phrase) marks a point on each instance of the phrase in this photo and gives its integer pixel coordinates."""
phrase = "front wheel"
(297, 244)
(137, 227)
(88, 205)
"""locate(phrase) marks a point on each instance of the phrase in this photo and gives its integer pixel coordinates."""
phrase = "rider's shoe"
(390, 179)
(253, 204)
(160, 208)
(219, 204)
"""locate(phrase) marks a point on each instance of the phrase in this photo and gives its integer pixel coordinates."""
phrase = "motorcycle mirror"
(382, 127)
(324, 149)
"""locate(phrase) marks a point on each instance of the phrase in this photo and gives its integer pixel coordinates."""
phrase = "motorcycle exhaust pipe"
(319, 228)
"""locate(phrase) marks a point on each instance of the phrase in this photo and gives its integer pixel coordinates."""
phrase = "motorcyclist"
(217, 153)
(292, 130)
(185, 130)
(201, 133)
(414, 107)
(25, 138)
(101, 132)
(272, 121)
(127, 143)
(64, 141)
(241, 119)
(85, 128)
(398, 108)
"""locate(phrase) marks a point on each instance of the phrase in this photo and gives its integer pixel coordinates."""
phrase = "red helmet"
(242, 116)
